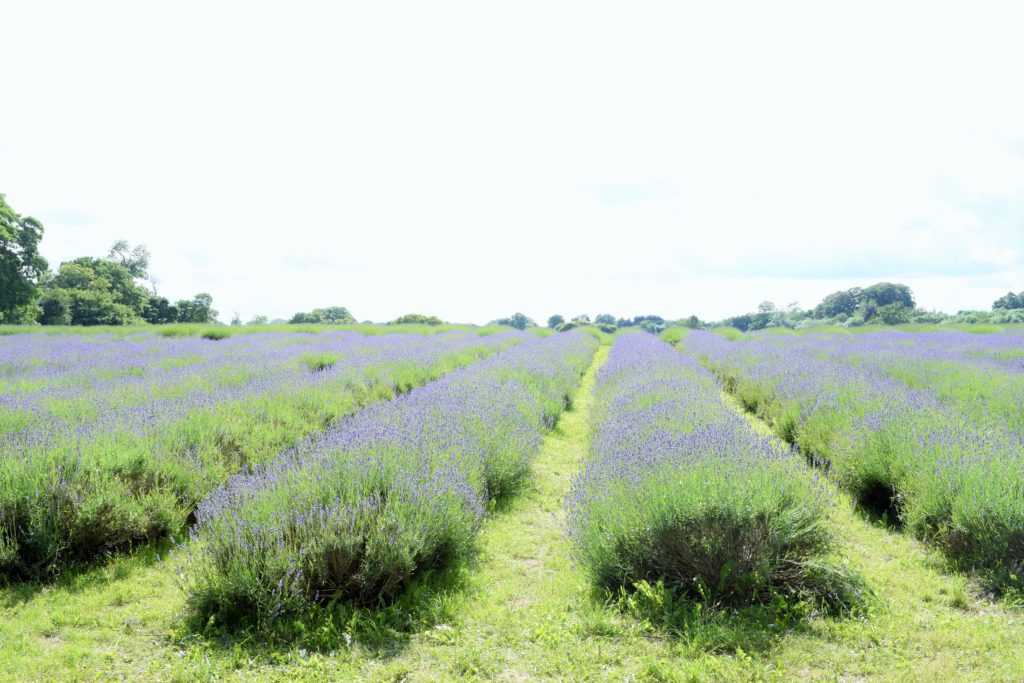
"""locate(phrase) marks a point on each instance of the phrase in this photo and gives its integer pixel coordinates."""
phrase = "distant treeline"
(85, 290)
(112, 290)
(883, 303)
(605, 322)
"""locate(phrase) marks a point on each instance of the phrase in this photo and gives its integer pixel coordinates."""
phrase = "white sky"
(471, 160)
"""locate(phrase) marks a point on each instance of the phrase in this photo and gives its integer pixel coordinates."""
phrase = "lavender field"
(109, 441)
(576, 505)
(923, 428)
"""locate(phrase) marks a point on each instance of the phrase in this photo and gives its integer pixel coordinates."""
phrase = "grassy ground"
(522, 611)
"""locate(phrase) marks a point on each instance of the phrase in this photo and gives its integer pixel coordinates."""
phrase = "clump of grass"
(175, 330)
(674, 335)
(215, 333)
(730, 333)
(318, 362)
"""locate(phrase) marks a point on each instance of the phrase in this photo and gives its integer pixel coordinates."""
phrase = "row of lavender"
(895, 432)
(74, 379)
(398, 488)
(679, 488)
(981, 374)
(110, 441)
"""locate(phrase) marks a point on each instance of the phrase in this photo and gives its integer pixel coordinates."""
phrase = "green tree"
(87, 272)
(554, 321)
(21, 265)
(258, 320)
(135, 261)
(198, 310)
(895, 313)
(332, 315)
(843, 302)
(160, 311)
(604, 319)
(336, 315)
(56, 307)
(516, 320)
(1008, 302)
(93, 292)
(886, 293)
(416, 319)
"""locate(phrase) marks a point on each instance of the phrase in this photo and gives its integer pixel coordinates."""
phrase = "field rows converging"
(932, 437)
(109, 441)
(399, 488)
(511, 506)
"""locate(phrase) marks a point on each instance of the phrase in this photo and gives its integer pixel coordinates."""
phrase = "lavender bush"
(679, 489)
(356, 512)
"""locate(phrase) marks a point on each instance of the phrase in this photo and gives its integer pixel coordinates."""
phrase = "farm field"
(486, 504)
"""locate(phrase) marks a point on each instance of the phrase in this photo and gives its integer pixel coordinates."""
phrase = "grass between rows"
(522, 611)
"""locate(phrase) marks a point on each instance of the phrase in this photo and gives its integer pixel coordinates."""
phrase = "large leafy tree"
(888, 293)
(416, 319)
(92, 291)
(517, 320)
(332, 315)
(136, 260)
(867, 302)
(21, 265)
(159, 310)
(843, 302)
(198, 310)
(1009, 302)
(87, 272)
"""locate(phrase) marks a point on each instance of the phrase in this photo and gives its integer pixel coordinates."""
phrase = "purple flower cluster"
(400, 487)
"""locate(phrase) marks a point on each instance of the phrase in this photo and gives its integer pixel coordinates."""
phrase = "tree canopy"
(21, 265)
(331, 315)
(416, 319)
(516, 320)
(1009, 302)
(136, 260)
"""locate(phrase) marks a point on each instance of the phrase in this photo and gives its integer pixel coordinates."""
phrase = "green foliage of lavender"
(679, 489)
(923, 428)
(400, 488)
(109, 441)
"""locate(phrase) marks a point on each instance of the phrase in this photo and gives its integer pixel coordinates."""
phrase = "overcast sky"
(471, 160)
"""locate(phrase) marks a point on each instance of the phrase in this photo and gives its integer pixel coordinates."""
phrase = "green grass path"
(520, 615)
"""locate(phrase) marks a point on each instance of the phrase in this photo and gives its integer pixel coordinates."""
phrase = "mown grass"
(521, 611)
